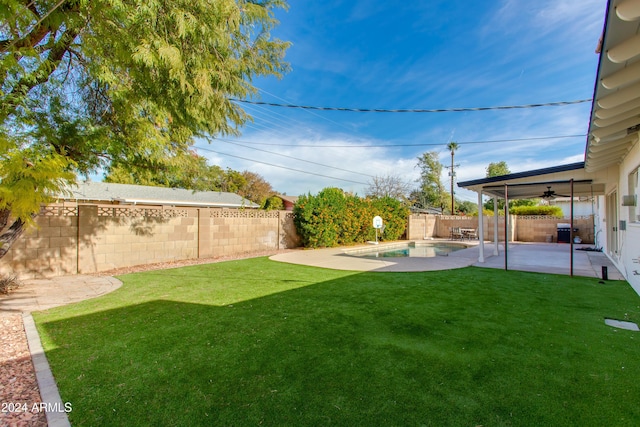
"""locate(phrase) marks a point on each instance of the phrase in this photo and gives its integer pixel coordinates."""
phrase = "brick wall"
(94, 238)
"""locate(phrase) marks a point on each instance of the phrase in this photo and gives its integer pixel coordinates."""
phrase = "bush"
(8, 284)
(334, 218)
(554, 211)
(272, 203)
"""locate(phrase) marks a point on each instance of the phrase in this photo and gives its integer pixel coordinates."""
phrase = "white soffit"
(615, 116)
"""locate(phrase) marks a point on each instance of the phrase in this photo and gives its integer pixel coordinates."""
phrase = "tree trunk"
(9, 236)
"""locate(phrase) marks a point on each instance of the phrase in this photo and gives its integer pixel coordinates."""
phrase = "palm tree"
(452, 146)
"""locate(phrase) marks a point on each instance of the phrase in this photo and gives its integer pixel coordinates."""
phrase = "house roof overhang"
(615, 113)
(533, 184)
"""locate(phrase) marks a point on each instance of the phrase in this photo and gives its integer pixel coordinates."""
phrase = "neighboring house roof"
(290, 199)
(615, 112)
(428, 210)
(148, 195)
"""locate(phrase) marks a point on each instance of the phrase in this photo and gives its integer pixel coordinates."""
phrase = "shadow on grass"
(470, 347)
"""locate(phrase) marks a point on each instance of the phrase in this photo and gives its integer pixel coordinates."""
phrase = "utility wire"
(413, 110)
(417, 144)
(307, 110)
(293, 158)
(281, 167)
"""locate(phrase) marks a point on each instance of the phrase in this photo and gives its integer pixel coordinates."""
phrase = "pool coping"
(339, 258)
(401, 245)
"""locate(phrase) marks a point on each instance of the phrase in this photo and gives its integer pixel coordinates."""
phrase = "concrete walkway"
(42, 294)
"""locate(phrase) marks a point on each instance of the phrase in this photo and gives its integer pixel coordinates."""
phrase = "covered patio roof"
(535, 183)
(615, 114)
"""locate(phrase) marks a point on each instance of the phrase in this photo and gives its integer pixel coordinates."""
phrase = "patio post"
(495, 226)
(571, 231)
(480, 228)
(506, 227)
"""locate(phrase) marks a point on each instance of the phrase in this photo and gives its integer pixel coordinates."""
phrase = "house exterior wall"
(626, 256)
(580, 208)
(94, 238)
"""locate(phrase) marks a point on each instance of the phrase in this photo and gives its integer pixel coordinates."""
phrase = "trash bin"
(564, 232)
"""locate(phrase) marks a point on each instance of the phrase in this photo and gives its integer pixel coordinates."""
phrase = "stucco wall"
(94, 238)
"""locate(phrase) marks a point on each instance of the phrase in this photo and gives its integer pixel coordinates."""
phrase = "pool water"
(423, 250)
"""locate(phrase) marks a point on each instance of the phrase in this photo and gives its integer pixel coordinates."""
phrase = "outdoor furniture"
(456, 233)
(470, 233)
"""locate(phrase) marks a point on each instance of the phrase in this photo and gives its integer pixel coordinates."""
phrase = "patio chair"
(472, 235)
(456, 233)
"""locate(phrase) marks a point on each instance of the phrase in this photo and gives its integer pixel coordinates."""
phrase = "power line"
(293, 158)
(281, 167)
(307, 110)
(412, 110)
(425, 144)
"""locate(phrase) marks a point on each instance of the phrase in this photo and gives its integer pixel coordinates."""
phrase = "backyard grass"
(257, 342)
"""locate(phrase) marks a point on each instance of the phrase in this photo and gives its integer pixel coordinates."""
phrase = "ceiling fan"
(550, 194)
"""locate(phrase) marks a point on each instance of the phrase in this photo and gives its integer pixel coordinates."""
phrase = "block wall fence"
(541, 229)
(86, 239)
(93, 238)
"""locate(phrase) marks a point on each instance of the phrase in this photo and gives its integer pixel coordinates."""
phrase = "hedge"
(554, 211)
(334, 218)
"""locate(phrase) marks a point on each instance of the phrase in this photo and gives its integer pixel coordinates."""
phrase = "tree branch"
(42, 74)
(8, 237)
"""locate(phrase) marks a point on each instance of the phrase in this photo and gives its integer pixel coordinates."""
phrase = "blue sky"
(419, 55)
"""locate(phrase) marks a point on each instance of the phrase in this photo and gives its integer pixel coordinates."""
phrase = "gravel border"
(19, 392)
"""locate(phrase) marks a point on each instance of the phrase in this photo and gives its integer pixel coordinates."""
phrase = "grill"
(564, 232)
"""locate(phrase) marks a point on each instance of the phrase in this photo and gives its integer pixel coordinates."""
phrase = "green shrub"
(554, 211)
(273, 203)
(333, 218)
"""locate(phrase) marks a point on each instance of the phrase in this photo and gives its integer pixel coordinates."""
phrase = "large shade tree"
(431, 192)
(86, 84)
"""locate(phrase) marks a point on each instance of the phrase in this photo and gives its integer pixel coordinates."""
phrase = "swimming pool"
(413, 249)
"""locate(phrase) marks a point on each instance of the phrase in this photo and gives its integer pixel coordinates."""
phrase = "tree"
(272, 203)
(189, 171)
(85, 82)
(256, 188)
(467, 207)
(500, 169)
(389, 186)
(452, 147)
(497, 169)
(431, 191)
(232, 181)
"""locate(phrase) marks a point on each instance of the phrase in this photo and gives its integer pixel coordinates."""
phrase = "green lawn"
(256, 342)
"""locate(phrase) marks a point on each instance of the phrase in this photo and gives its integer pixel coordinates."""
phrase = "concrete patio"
(550, 258)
